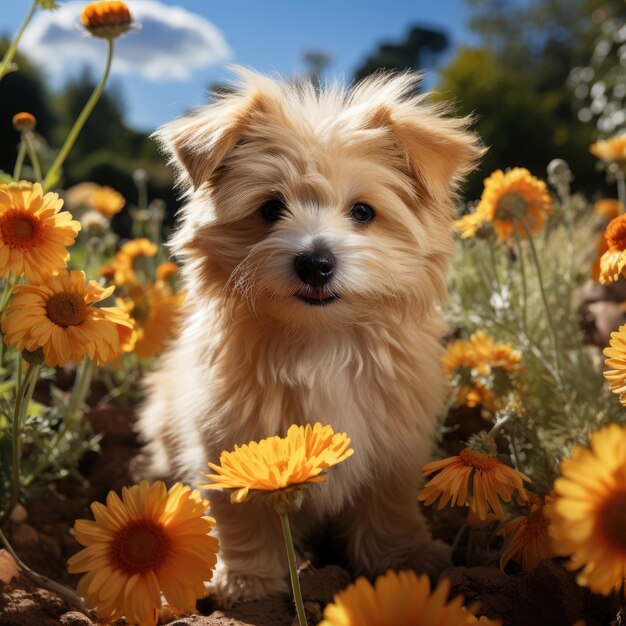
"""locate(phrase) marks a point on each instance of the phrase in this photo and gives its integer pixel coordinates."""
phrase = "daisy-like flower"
(607, 208)
(527, 538)
(106, 19)
(613, 149)
(588, 514)
(475, 477)
(58, 317)
(129, 259)
(166, 270)
(513, 196)
(107, 201)
(279, 463)
(476, 367)
(401, 599)
(470, 225)
(616, 353)
(24, 122)
(150, 541)
(156, 312)
(613, 261)
(34, 234)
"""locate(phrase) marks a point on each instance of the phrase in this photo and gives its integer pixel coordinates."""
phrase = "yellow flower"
(475, 477)
(129, 259)
(280, 462)
(616, 353)
(150, 541)
(607, 208)
(33, 234)
(589, 511)
(613, 149)
(470, 224)
(165, 271)
(107, 201)
(474, 362)
(400, 599)
(527, 538)
(613, 260)
(57, 316)
(513, 196)
(156, 312)
(24, 122)
(106, 19)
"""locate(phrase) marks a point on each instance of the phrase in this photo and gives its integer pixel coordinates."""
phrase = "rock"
(546, 596)
(74, 618)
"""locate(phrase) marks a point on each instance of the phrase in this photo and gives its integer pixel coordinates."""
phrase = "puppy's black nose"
(315, 268)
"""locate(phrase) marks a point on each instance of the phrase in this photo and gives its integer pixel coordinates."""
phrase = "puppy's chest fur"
(381, 386)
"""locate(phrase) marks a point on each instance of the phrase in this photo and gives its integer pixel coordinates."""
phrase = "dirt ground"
(548, 596)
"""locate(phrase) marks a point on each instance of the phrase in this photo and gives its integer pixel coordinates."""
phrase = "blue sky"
(183, 52)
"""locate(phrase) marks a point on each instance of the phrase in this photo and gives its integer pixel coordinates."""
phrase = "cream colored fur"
(252, 359)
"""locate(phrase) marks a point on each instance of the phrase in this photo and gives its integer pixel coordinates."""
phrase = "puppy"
(315, 239)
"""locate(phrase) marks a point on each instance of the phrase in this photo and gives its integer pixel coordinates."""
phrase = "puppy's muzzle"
(315, 268)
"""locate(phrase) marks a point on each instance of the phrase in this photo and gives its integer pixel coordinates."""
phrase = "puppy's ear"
(439, 149)
(198, 143)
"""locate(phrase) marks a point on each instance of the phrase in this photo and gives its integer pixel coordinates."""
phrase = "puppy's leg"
(252, 562)
(386, 529)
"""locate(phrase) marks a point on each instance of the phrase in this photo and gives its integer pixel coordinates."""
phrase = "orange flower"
(491, 480)
(616, 353)
(128, 260)
(607, 208)
(34, 232)
(165, 271)
(400, 599)
(613, 260)
(527, 538)
(107, 201)
(58, 316)
(24, 122)
(613, 149)
(150, 541)
(106, 19)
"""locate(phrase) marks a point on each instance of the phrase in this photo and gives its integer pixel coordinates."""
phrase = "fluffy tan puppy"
(315, 240)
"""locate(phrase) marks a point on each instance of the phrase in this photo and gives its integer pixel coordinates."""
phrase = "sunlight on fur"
(304, 306)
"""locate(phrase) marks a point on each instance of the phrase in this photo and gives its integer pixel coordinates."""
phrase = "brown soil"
(548, 596)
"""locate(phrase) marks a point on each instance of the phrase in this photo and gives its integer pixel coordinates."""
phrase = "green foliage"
(495, 287)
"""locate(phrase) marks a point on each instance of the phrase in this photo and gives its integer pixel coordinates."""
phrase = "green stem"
(522, 265)
(24, 395)
(535, 256)
(19, 162)
(293, 571)
(61, 590)
(621, 190)
(81, 387)
(32, 155)
(10, 53)
(53, 172)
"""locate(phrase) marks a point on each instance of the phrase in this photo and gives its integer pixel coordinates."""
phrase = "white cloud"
(171, 43)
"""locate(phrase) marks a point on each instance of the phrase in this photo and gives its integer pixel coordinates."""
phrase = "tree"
(414, 52)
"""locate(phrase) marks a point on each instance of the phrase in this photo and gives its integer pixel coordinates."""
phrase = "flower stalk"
(7, 66)
(53, 172)
(23, 398)
(293, 569)
(81, 387)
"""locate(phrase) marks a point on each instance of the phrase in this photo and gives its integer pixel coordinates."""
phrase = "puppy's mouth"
(318, 298)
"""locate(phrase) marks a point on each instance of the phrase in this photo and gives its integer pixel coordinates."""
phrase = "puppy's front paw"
(229, 587)
(432, 558)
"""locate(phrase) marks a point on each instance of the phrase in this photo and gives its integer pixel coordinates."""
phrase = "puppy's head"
(320, 209)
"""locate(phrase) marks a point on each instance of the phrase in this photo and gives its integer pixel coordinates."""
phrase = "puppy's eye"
(273, 210)
(362, 213)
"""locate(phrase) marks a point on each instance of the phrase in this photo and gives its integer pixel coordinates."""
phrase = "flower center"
(612, 519)
(510, 206)
(478, 460)
(66, 309)
(19, 230)
(139, 547)
(615, 233)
